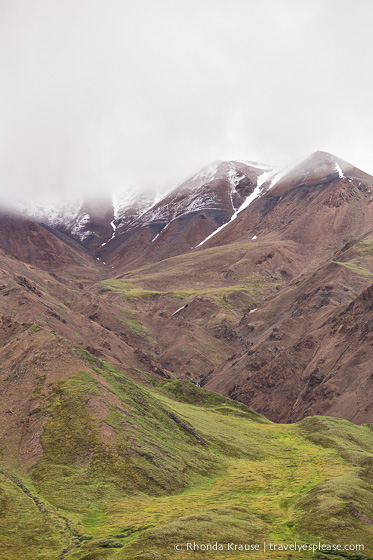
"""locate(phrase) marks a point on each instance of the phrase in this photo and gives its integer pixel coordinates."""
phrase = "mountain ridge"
(207, 368)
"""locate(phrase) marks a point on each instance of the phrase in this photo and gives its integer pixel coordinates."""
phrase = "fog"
(97, 95)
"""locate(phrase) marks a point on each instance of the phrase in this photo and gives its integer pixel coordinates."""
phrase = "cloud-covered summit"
(99, 96)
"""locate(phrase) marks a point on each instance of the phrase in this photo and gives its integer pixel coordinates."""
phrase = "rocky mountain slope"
(251, 282)
(235, 260)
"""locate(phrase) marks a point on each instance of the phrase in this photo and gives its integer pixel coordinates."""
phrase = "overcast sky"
(105, 94)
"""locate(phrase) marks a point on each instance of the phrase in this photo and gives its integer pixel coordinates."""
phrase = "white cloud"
(98, 94)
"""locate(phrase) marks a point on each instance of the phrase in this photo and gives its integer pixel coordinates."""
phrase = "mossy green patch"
(184, 391)
(86, 355)
(200, 274)
(136, 327)
(236, 296)
(356, 269)
(26, 532)
(364, 248)
(149, 467)
(139, 330)
(39, 387)
(151, 450)
(129, 289)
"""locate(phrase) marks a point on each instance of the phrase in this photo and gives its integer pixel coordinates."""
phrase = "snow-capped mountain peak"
(310, 169)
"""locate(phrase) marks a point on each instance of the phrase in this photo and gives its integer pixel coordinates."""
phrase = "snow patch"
(129, 206)
(234, 177)
(339, 171)
(249, 199)
(114, 227)
(178, 310)
(264, 177)
(79, 225)
(276, 175)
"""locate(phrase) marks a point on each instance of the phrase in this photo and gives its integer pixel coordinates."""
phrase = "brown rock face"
(29, 242)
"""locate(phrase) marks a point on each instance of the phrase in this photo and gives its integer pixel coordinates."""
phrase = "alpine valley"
(191, 368)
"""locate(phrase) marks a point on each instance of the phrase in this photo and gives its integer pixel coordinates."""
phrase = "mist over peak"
(98, 97)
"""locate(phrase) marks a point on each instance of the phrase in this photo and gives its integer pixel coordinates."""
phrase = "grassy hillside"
(130, 470)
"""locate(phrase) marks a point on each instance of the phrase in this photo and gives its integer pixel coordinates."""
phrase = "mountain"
(183, 218)
(86, 222)
(320, 194)
(130, 222)
(319, 167)
(192, 364)
(237, 257)
(309, 349)
(34, 244)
